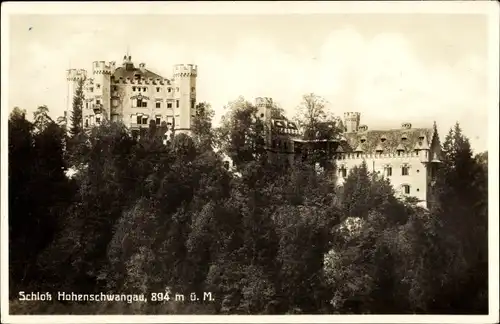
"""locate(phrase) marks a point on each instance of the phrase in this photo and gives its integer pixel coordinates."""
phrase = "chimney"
(142, 67)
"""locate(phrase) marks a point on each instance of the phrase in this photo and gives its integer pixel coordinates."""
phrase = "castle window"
(363, 140)
(388, 171)
(343, 172)
(157, 89)
(98, 102)
(133, 88)
(418, 190)
(158, 120)
(192, 89)
(86, 122)
(405, 170)
(406, 189)
(91, 89)
(158, 105)
(261, 115)
(404, 137)
(144, 104)
(87, 105)
(139, 103)
(177, 103)
(383, 138)
(144, 120)
(169, 89)
(98, 86)
(358, 154)
(139, 120)
(138, 89)
(169, 105)
(418, 171)
(144, 89)
(192, 104)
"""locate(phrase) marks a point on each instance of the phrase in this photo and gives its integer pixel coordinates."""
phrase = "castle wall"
(417, 177)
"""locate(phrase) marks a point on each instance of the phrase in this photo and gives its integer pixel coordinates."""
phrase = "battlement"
(76, 74)
(352, 115)
(147, 81)
(263, 101)
(185, 70)
(100, 67)
(361, 156)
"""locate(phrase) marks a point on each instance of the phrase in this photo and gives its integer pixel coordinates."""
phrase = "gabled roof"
(390, 140)
(132, 72)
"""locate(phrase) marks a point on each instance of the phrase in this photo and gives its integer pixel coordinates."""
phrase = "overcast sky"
(392, 68)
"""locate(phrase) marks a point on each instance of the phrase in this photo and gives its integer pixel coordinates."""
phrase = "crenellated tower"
(184, 96)
(101, 105)
(264, 106)
(73, 76)
(351, 121)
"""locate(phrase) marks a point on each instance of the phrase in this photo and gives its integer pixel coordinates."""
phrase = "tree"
(315, 121)
(76, 117)
(202, 131)
(462, 205)
(39, 193)
(242, 134)
(41, 118)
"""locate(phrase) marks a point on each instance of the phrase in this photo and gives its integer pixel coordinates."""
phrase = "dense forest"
(137, 216)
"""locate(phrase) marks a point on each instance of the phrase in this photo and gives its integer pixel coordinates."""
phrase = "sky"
(392, 68)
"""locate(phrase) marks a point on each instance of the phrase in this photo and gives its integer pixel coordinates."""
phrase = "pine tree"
(356, 192)
(76, 117)
(461, 193)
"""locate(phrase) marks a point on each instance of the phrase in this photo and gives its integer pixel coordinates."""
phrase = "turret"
(184, 95)
(101, 105)
(264, 106)
(351, 121)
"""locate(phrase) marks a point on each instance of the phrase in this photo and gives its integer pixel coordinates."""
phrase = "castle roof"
(122, 72)
(390, 140)
(284, 126)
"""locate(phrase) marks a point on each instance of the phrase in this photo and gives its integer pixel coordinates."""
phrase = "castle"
(134, 95)
(407, 156)
(137, 97)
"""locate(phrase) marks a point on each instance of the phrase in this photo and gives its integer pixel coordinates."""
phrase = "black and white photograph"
(281, 161)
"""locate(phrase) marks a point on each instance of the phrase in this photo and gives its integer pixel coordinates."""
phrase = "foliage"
(140, 216)
(76, 116)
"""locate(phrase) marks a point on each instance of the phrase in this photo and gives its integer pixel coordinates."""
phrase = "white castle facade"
(134, 95)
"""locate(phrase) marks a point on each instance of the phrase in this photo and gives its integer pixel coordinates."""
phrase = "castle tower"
(101, 105)
(73, 76)
(351, 121)
(264, 106)
(184, 96)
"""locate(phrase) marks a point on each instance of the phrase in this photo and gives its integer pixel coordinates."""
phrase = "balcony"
(97, 108)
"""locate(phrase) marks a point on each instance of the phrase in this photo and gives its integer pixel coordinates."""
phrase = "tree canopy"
(142, 215)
